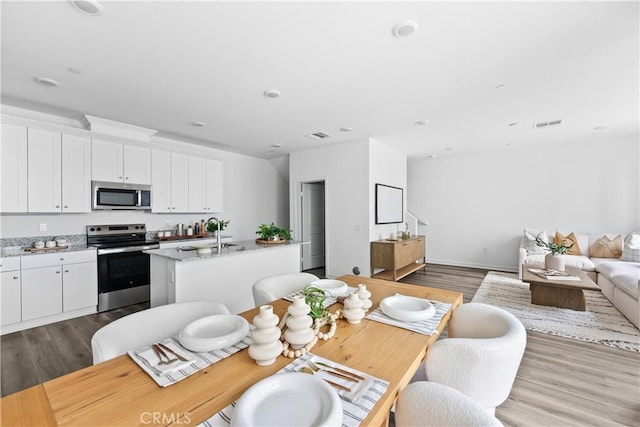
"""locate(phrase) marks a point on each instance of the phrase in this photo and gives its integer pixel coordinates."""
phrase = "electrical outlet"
(43, 227)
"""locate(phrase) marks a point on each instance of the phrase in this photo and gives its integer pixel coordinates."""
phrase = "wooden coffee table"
(559, 293)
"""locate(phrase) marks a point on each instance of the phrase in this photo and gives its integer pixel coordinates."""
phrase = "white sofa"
(618, 279)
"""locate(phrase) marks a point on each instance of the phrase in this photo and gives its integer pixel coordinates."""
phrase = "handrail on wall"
(414, 221)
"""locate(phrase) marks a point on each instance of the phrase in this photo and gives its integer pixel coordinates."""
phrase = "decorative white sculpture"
(364, 296)
(266, 344)
(353, 311)
(299, 324)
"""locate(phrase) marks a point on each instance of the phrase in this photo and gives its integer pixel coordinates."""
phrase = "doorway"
(312, 201)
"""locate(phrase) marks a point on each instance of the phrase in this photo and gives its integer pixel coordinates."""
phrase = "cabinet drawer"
(58, 258)
(10, 263)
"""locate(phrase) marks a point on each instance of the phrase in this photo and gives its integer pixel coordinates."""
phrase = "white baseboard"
(472, 265)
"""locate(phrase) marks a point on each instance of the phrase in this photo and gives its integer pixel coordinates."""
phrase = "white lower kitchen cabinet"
(41, 292)
(52, 287)
(79, 286)
(10, 299)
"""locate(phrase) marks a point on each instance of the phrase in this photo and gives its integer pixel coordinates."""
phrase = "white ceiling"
(163, 65)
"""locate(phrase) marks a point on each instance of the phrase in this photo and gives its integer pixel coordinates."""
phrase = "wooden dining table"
(118, 392)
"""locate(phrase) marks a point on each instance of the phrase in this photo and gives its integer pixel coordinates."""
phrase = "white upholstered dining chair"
(148, 326)
(481, 355)
(271, 288)
(425, 403)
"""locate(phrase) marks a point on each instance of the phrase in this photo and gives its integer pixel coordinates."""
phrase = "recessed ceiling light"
(404, 29)
(513, 124)
(432, 156)
(272, 93)
(198, 124)
(421, 122)
(90, 7)
(46, 81)
(346, 129)
(276, 145)
(500, 86)
(75, 70)
(601, 127)
(449, 148)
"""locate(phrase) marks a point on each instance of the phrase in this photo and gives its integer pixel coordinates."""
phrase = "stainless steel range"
(123, 269)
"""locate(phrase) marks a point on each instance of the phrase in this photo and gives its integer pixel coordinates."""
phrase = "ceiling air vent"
(319, 135)
(544, 125)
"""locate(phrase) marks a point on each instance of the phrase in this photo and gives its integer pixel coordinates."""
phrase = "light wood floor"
(561, 382)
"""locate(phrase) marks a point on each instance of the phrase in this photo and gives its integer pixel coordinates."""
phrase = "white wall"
(254, 192)
(386, 166)
(477, 206)
(344, 169)
(350, 171)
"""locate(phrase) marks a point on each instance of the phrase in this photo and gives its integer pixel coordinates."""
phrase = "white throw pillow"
(631, 250)
(530, 242)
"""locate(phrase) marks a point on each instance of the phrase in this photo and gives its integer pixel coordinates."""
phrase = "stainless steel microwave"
(114, 195)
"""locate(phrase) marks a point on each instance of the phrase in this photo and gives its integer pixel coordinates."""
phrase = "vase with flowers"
(553, 260)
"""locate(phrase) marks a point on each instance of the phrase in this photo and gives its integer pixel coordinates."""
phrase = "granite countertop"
(233, 248)
(5, 253)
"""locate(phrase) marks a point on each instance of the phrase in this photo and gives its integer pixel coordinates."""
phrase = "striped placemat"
(355, 404)
(165, 375)
(425, 327)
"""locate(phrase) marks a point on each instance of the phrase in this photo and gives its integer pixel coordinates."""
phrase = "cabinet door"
(197, 184)
(41, 292)
(79, 286)
(137, 165)
(10, 297)
(44, 157)
(106, 161)
(13, 153)
(213, 195)
(179, 182)
(76, 174)
(161, 181)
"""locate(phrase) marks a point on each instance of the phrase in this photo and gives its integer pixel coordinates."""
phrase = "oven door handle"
(127, 249)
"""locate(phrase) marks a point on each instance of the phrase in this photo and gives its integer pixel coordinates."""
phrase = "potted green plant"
(272, 234)
(212, 226)
(553, 260)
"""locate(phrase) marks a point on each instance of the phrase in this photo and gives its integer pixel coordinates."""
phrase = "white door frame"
(297, 220)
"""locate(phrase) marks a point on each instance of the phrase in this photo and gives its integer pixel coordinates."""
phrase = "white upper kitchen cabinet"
(59, 172)
(44, 154)
(76, 174)
(170, 182)
(205, 185)
(116, 162)
(213, 194)
(13, 153)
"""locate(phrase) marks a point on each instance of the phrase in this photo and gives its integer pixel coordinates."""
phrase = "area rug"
(602, 323)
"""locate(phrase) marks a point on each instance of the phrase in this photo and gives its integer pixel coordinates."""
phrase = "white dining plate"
(290, 399)
(332, 287)
(214, 332)
(407, 309)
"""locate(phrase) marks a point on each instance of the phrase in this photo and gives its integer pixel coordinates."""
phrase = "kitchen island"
(179, 275)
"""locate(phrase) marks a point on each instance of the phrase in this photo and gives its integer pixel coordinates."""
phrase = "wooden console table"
(397, 258)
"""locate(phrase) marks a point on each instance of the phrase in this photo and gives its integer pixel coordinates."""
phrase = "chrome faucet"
(219, 243)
